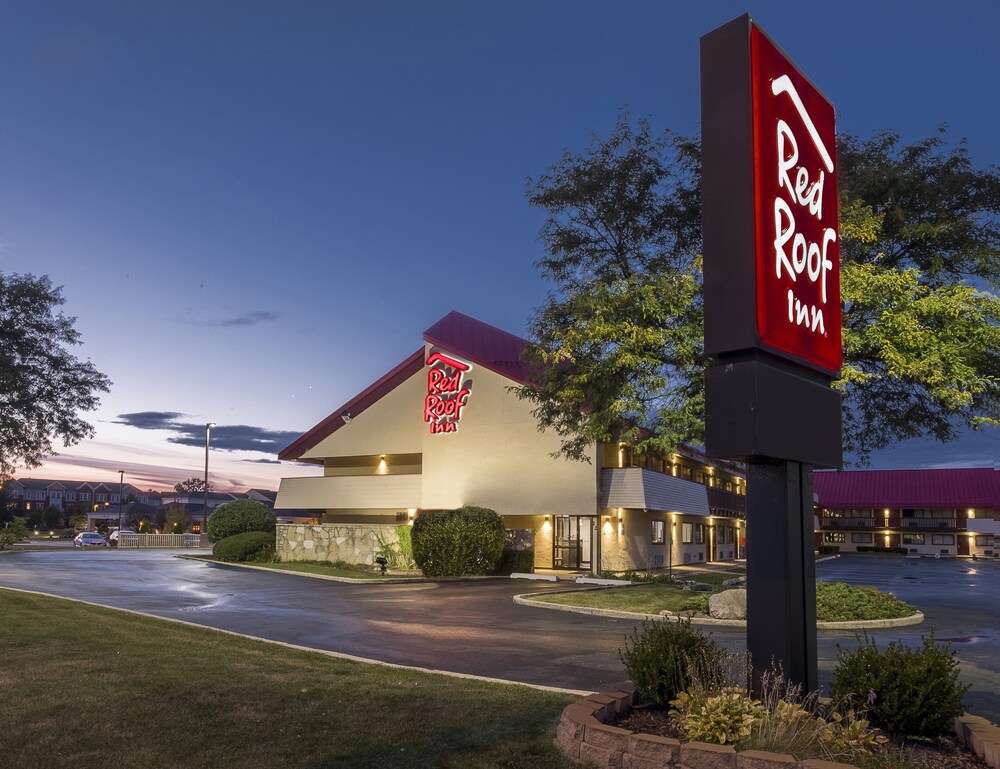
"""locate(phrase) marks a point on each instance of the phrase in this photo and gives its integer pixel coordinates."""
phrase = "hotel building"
(443, 429)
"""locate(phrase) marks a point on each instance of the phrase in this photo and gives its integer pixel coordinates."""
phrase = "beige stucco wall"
(391, 426)
(499, 459)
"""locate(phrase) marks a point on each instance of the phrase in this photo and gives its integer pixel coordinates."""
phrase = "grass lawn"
(92, 688)
(645, 599)
(835, 601)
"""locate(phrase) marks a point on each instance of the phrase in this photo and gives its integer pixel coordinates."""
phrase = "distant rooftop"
(964, 487)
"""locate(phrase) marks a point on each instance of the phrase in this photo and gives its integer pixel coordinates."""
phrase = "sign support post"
(772, 321)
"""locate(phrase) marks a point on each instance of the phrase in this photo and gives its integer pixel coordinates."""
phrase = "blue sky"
(255, 208)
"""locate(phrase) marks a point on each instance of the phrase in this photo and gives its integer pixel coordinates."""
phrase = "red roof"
(966, 487)
(480, 343)
(466, 337)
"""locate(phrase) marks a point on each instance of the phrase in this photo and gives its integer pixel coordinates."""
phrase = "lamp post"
(204, 522)
(121, 482)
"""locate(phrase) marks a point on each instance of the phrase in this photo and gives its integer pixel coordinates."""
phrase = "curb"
(530, 599)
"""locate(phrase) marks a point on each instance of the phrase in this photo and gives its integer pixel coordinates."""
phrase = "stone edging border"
(528, 599)
(583, 735)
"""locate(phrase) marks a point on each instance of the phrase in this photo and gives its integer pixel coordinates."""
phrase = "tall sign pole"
(772, 320)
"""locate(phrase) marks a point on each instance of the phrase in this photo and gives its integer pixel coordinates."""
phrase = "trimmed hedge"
(879, 549)
(452, 543)
(519, 561)
(239, 516)
(248, 546)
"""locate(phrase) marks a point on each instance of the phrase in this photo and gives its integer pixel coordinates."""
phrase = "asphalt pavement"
(474, 627)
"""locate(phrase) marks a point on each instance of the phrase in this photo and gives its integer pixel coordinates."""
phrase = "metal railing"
(140, 541)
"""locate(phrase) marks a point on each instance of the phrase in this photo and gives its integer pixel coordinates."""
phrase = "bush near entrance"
(239, 516)
(248, 546)
(452, 543)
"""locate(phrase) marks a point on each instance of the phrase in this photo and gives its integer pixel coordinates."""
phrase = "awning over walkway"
(636, 488)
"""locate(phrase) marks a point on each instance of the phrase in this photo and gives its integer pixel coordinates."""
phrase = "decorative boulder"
(729, 604)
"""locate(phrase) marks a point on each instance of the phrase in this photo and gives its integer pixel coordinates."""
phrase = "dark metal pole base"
(781, 573)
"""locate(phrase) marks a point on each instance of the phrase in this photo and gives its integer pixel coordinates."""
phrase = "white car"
(89, 539)
(122, 534)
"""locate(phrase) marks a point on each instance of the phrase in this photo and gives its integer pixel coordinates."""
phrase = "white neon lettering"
(784, 84)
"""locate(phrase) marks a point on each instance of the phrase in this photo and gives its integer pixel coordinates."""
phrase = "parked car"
(120, 533)
(89, 539)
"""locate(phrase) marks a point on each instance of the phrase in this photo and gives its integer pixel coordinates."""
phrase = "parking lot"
(475, 628)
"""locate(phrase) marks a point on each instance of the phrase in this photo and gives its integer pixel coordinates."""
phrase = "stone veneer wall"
(584, 735)
(350, 542)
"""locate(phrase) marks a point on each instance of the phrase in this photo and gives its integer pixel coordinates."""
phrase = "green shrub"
(665, 658)
(881, 549)
(239, 516)
(248, 546)
(519, 561)
(903, 691)
(840, 602)
(450, 543)
(829, 549)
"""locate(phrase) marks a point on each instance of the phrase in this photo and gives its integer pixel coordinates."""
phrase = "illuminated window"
(834, 537)
(913, 539)
(687, 532)
(659, 532)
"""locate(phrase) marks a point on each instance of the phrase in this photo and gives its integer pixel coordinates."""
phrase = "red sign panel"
(447, 392)
(795, 199)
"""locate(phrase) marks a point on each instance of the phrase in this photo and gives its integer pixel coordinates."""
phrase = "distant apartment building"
(27, 495)
(940, 512)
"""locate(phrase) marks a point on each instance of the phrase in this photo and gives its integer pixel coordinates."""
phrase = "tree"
(13, 532)
(618, 346)
(42, 386)
(175, 519)
(191, 485)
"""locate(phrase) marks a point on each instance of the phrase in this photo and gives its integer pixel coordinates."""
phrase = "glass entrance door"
(573, 544)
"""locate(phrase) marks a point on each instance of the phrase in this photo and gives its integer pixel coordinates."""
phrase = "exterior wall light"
(546, 526)
(607, 525)
(383, 468)
(971, 512)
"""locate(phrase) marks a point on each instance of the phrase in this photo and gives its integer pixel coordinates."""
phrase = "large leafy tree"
(617, 346)
(191, 485)
(43, 387)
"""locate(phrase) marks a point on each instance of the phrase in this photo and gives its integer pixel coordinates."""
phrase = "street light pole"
(204, 523)
(121, 482)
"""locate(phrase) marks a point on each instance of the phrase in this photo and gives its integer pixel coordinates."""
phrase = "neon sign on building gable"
(447, 392)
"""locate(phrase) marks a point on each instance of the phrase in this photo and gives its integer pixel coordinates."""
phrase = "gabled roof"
(977, 487)
(480, 343)
(468, 338)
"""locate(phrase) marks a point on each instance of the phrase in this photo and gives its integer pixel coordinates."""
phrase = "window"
(686, 532)
(861, 539)
(101, 498)
(942, 539)
(659, 529)
(699, 533)
(720, 535)
(833, 537)
(984, 540)
(84, 496)
(913, 539)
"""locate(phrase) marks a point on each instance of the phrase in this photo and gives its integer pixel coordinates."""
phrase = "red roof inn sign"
(795, 198)
(447, 392)
(771, 253)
